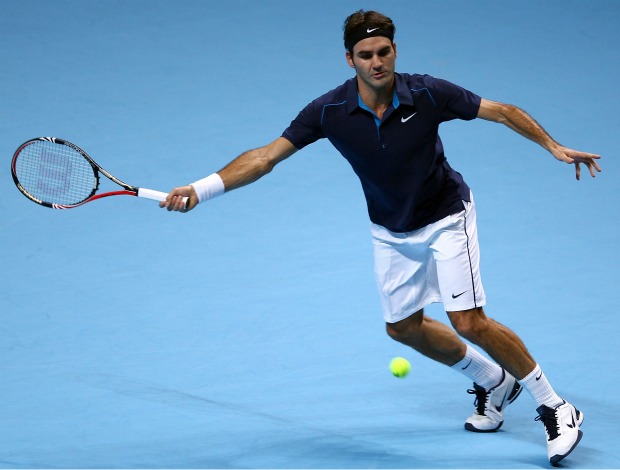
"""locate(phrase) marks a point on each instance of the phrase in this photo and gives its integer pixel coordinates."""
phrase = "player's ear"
(394, 47)
(350, 60)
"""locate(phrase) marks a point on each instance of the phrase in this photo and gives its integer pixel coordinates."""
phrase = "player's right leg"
(407, 282)
(407, 278)
(429, 337)
(439, 342)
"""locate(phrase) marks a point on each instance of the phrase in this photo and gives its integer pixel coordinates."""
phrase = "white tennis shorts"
(437, 263)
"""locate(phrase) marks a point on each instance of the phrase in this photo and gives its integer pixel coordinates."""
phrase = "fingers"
(590, 163)
(180, 200)
(578, 158)
(177, 204)
(171, 203)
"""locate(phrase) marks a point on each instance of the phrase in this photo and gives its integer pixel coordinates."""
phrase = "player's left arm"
(519, 121)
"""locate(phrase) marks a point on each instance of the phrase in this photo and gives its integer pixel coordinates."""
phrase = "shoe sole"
(472, 428)
(512, 396)
(556, 459)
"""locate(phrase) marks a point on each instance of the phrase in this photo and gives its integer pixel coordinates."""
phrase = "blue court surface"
(248, 333)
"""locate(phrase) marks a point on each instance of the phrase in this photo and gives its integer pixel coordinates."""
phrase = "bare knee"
(405, 330)
(429, 337)
(470, 324)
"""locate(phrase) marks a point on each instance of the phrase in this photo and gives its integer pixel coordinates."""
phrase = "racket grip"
(155, 195)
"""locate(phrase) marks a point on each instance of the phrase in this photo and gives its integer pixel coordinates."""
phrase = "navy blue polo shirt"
(399, 159)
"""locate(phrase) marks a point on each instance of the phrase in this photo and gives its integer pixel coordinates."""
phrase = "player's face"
(374, 60)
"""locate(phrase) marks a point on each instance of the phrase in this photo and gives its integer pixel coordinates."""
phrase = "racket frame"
(127, 190)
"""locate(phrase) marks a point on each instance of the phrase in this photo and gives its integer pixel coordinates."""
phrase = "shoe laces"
(550, 420)
(482, 397)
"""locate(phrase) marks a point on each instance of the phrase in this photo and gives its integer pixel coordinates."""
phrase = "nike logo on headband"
(368, 30)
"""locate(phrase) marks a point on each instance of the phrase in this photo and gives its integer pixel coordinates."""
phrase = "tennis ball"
(400, 367)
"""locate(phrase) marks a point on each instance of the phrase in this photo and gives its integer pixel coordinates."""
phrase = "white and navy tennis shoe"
(490, 404)
(562, 429)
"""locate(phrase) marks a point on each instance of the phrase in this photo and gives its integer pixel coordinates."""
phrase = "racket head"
(54, 173)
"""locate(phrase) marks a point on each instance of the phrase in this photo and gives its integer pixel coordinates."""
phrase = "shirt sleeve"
(306, 127)
(455, 102)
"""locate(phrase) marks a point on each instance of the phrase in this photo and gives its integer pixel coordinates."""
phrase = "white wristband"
(209, 187)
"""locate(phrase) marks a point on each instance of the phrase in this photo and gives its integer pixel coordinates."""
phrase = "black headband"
(367, 32)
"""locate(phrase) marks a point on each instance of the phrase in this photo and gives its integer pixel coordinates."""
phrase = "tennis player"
(423, 217)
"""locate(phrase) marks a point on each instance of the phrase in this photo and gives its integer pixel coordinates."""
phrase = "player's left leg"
(457, 255)
(501, 343)
(561, 419)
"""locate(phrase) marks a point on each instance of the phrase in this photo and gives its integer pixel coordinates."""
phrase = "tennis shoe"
(490, 404)
(562, 429)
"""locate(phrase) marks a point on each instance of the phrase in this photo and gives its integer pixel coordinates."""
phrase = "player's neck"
(377, 99)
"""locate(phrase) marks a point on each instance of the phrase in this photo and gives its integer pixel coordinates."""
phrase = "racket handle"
(155, 195)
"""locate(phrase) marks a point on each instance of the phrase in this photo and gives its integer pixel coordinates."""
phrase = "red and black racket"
(58, 174)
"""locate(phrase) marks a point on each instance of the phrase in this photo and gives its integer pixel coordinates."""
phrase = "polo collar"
(402, 95)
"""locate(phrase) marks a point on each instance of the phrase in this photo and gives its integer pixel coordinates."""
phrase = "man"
(423, 217)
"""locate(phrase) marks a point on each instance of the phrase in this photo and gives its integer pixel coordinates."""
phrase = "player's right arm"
(243, 170)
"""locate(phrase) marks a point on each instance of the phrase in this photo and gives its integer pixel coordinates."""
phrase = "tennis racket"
(58, 174)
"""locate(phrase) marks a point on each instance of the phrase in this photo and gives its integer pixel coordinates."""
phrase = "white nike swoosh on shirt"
(405, 119)
(368, 30)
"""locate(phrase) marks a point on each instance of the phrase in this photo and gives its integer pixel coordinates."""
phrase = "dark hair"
(357, 25)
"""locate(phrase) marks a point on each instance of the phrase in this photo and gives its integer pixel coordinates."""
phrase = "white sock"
(538, 386)
(479, 369)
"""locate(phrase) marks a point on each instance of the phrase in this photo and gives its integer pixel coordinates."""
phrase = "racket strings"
(55, 173)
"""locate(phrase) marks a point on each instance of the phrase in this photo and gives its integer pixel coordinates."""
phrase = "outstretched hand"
(577, 158)
(175, 200)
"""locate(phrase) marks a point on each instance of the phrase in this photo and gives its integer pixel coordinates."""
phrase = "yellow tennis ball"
(400, 367)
